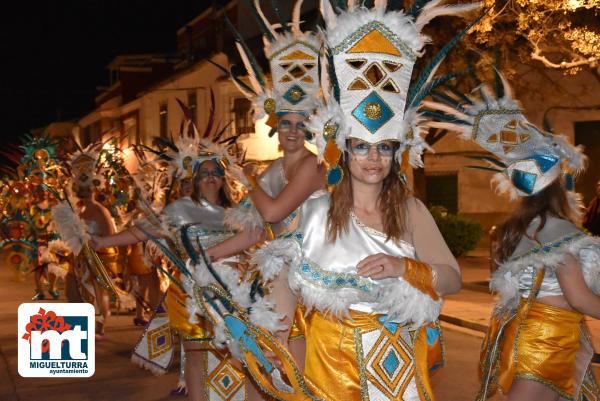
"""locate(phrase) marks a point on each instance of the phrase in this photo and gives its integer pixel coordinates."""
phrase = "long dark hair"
(392, 204)
(551, 200)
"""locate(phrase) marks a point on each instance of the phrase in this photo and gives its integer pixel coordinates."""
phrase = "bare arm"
(307, 180)
(236, 244)
(130, 236)
(432, 249)
(575, 290)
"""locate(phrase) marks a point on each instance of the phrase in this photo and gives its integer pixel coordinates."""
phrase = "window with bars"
(242, 116)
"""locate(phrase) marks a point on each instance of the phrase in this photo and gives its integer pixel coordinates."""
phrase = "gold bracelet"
(252, 181)
(420, 276)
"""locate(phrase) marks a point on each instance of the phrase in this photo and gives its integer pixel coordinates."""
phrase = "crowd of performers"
(321, 277)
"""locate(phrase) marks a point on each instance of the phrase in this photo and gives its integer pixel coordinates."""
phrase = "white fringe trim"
(156, 370)
(586, 249)
(275, 256)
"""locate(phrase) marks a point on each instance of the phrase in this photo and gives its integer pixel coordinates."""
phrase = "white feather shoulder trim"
(585, 248)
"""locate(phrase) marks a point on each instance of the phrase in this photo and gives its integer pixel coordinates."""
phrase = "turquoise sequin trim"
(330, 280)
(551, 246)
(365, 29)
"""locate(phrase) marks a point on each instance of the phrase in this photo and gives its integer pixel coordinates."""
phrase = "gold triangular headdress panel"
(526, 158)
(293, 57)
(367, 84)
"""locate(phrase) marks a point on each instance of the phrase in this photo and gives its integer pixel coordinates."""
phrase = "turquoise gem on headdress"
(546, 162)
(294, 95)
(373, 112)
(334, 176)
(524, 181)
(569, 182)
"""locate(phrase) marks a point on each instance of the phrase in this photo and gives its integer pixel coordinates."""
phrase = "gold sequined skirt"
(539, 342)
(363, 357)
(175, 303)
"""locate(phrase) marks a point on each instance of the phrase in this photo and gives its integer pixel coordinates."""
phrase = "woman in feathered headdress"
(548, 274)
(275, 196)
(369, 266)
(185, 224)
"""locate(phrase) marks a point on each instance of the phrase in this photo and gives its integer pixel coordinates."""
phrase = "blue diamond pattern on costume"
(373, 124)
(161, 340)
(291, 94)
(226, 381)
(524, 181)
(391, 363)
(392, 327)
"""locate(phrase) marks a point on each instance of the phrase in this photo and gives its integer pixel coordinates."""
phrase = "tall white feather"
(265, 20)
(328, 14)
(296, 18)
(432, 10)
(253, 79)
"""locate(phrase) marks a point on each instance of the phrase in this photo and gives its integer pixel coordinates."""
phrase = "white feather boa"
(401, 302)
(276, 256)
(243, 217)
(586, 249)
(261, 312)
(70, 227)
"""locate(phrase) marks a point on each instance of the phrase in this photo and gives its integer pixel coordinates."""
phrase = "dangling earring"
(332, 155)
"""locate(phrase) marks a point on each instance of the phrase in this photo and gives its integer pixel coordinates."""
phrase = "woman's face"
(187, 187)
(291, 131)
(370, 163)
(210, 179)
(82, 191)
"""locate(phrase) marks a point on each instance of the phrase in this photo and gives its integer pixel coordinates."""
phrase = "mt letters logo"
(56, 340)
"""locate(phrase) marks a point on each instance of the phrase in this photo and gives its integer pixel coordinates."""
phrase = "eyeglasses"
(284, 126)
(211, 173)
(362, 149)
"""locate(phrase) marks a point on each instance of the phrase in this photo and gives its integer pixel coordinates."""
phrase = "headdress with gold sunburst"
(293, 58)
(367, 85)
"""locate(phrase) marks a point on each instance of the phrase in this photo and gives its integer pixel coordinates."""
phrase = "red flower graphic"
(44, 321)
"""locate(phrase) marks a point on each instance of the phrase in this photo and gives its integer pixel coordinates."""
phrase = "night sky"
(54, 53)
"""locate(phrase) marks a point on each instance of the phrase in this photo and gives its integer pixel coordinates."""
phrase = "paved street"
(116, 378)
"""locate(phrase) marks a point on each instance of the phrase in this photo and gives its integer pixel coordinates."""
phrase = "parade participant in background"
(99, 221)
(372, 266)
(26, 215)
(195, 220)
(591, 221)
(275, 197)
(548, 275)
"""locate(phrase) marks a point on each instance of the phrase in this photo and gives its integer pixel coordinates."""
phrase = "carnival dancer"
(99, 221)
(274, 197)
(28, 213)
(548, 274)
(371, 266)
(194, 221)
